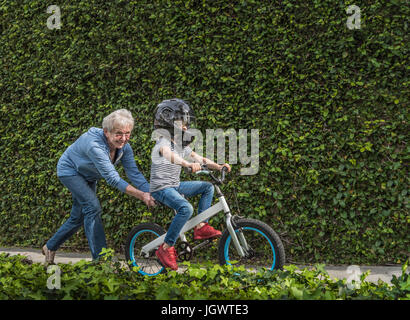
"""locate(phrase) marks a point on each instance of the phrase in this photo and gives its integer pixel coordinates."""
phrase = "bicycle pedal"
(211, 241)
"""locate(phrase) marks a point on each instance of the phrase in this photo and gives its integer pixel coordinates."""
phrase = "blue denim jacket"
(89, 156)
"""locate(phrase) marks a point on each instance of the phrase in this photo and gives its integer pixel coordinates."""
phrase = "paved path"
(383, 273)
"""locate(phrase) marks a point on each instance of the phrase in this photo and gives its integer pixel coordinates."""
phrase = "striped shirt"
(165, 174)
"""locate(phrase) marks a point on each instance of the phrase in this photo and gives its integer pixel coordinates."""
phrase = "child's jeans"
(172, 198)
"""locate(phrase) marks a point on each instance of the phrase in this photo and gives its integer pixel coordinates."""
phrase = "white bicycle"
(248, 242)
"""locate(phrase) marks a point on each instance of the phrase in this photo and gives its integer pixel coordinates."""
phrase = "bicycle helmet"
(169, 111)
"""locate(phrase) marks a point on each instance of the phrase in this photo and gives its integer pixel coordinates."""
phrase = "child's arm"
(211, 165)
(176, 159)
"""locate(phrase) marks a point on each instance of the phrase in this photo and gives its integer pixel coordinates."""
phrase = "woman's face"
(118, 137)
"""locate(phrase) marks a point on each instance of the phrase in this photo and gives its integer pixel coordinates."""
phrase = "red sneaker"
(168, 257)
(206, 232)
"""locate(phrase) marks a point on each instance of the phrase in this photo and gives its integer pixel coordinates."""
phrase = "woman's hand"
(148, 199)
(143, 196)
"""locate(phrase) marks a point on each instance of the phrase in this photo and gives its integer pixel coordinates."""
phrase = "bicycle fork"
(238, 238)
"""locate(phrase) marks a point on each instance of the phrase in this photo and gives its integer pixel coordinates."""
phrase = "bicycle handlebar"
(205, 170)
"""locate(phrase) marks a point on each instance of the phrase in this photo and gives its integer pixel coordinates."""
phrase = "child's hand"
(227, 166)
(194, 167)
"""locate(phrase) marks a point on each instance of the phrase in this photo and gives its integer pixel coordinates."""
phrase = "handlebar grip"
(223, 172)
(203, 167)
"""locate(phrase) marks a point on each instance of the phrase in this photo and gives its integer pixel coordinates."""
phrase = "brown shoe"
(49, 255)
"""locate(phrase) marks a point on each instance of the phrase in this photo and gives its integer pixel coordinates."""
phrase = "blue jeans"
(86, 211)
(172, 198)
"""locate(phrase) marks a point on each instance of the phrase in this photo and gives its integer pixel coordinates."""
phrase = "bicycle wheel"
(265, 249)
(137, 238)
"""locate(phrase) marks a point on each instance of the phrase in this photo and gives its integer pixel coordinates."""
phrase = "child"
(174, 118)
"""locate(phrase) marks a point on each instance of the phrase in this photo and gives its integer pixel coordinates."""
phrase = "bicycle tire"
(137, 238)
(266, 248)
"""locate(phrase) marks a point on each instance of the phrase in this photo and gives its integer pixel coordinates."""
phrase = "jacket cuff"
(122, 185)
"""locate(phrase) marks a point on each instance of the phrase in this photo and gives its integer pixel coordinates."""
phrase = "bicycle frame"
(222, 205)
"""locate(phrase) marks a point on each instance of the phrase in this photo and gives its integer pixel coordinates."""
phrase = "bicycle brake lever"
(217, 180)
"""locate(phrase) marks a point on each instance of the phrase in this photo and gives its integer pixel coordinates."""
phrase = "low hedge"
(330, 104)
(109, 280)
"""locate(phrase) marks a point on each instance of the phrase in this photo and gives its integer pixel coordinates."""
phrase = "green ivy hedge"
(21, 279)
(331, 105)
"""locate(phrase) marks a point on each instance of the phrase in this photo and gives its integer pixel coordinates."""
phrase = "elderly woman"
(91, 157)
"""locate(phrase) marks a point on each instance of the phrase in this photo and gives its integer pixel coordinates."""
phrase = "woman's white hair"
(118, 119)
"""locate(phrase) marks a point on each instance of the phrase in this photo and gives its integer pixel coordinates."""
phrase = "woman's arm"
(131, 170)
(143, 196)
